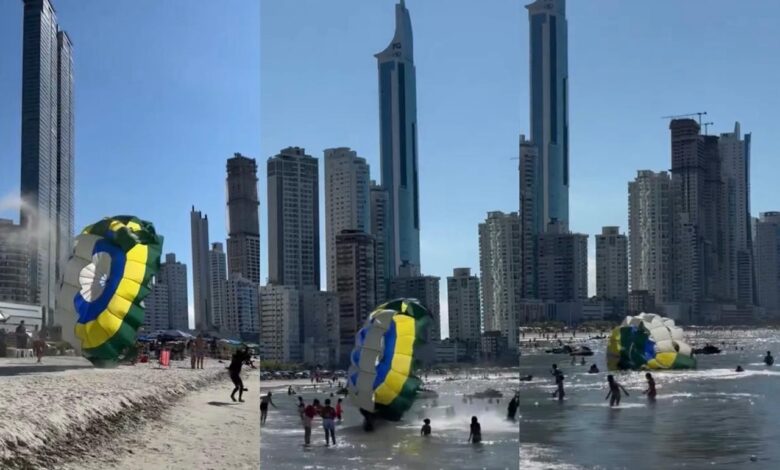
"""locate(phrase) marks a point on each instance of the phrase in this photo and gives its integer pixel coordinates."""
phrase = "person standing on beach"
(21, 337)
(511, 411)
(426, 429)
(558, 375)
(475, 434)
(650, 392)
(339, 410)
(200, 351)
(328, 414)
(614, 391)
(264, 402)
(239, 358)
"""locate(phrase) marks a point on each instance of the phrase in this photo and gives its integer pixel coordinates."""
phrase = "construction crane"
(678, 116)
(706, 126)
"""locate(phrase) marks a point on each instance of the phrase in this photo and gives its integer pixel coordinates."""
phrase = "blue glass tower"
(398, 146)
(549, 77)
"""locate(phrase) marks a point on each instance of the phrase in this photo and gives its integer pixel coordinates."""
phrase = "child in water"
(614, 391)
(475, 436)
(426, 429)
(650, 392)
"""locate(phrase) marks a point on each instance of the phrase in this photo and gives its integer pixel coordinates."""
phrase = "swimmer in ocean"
(768, 359)
(650, 392)
(614, 391)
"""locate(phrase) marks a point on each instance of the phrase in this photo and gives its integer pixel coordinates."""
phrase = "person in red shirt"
(308, 416)
(338, 410)
(328, 413)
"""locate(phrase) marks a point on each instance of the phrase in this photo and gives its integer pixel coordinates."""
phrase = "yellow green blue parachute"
(104, 282)
(648, 341)
(381, 378)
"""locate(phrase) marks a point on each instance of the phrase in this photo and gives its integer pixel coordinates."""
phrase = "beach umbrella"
(104, 283)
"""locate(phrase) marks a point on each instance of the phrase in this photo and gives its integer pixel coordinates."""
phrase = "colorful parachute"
(381, 377)
(648, 341)
(104, 282)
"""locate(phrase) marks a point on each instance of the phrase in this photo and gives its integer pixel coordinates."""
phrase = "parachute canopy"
(104, 282)
(381, 375)
(648, 341)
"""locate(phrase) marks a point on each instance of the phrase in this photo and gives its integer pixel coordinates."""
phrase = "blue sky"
(630, 63)
(165, 92)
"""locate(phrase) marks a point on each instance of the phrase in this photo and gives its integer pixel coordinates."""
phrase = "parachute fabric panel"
(648, 341)
(381, 376)
(105, 281)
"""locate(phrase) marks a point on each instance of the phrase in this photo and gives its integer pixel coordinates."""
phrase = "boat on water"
(707, 349)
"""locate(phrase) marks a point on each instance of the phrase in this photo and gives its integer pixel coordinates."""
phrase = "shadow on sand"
(222, 403)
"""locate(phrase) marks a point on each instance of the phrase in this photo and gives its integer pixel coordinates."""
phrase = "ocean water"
(711, 417)
(397, 445)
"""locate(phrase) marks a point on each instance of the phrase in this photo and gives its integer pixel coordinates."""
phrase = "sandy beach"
(65, 419)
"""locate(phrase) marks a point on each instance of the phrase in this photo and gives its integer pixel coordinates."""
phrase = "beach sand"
(205, 430)
(50, 419)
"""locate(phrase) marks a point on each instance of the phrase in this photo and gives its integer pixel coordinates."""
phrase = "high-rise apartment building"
(379, 225)
(201, 282)
(549, 90)
(530, 213)
(243, 243)
(293, 219)
(173, 274)
(734, 149)
(563, 266)
(156, 316)
(767, 256)
(500, 273)
(241, 308)
(612, 265)
(463, 308)
(47, 150)
(218, 283)
(14, 263)
(398, 144)
(347, 201)
(650, 234)
(320, 313)
(355, 285)
(280, 323)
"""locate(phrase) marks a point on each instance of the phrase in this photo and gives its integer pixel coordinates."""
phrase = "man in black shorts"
(239, 358)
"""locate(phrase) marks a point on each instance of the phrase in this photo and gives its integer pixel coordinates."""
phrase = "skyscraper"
(409, 284)
(173, 275)
(463, 308)
(767, 250)
(612, 265)
(47, 150)
(649, 234)
(347, 203)
(735, 155)
(529, 217)
(201, 283)
(398, 144)
(243, 243)
(293, 219)
(321, 342)
(14, 263)
(379, 224)
(242, 316)
(280, 323)
(563, 266)
(218, 280)
(500, 273)
(549, 87)
(355, 284)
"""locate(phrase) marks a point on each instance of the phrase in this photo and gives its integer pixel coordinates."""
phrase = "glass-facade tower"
(46, 150)
(398, 146)
(549, 78)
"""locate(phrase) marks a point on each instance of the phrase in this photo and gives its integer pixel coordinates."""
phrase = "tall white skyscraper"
(320, 311)
(767, 255)
(463, 308)
(201, 283)
(156, 304)
(649, 234)
(293, 219)
(734, 149)
(500, 273)
(612, 265)
(47, 166)
(241, 308)
(280, 323)
(563, 266)
(173, 274)
(347, 202)
(218, 280)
